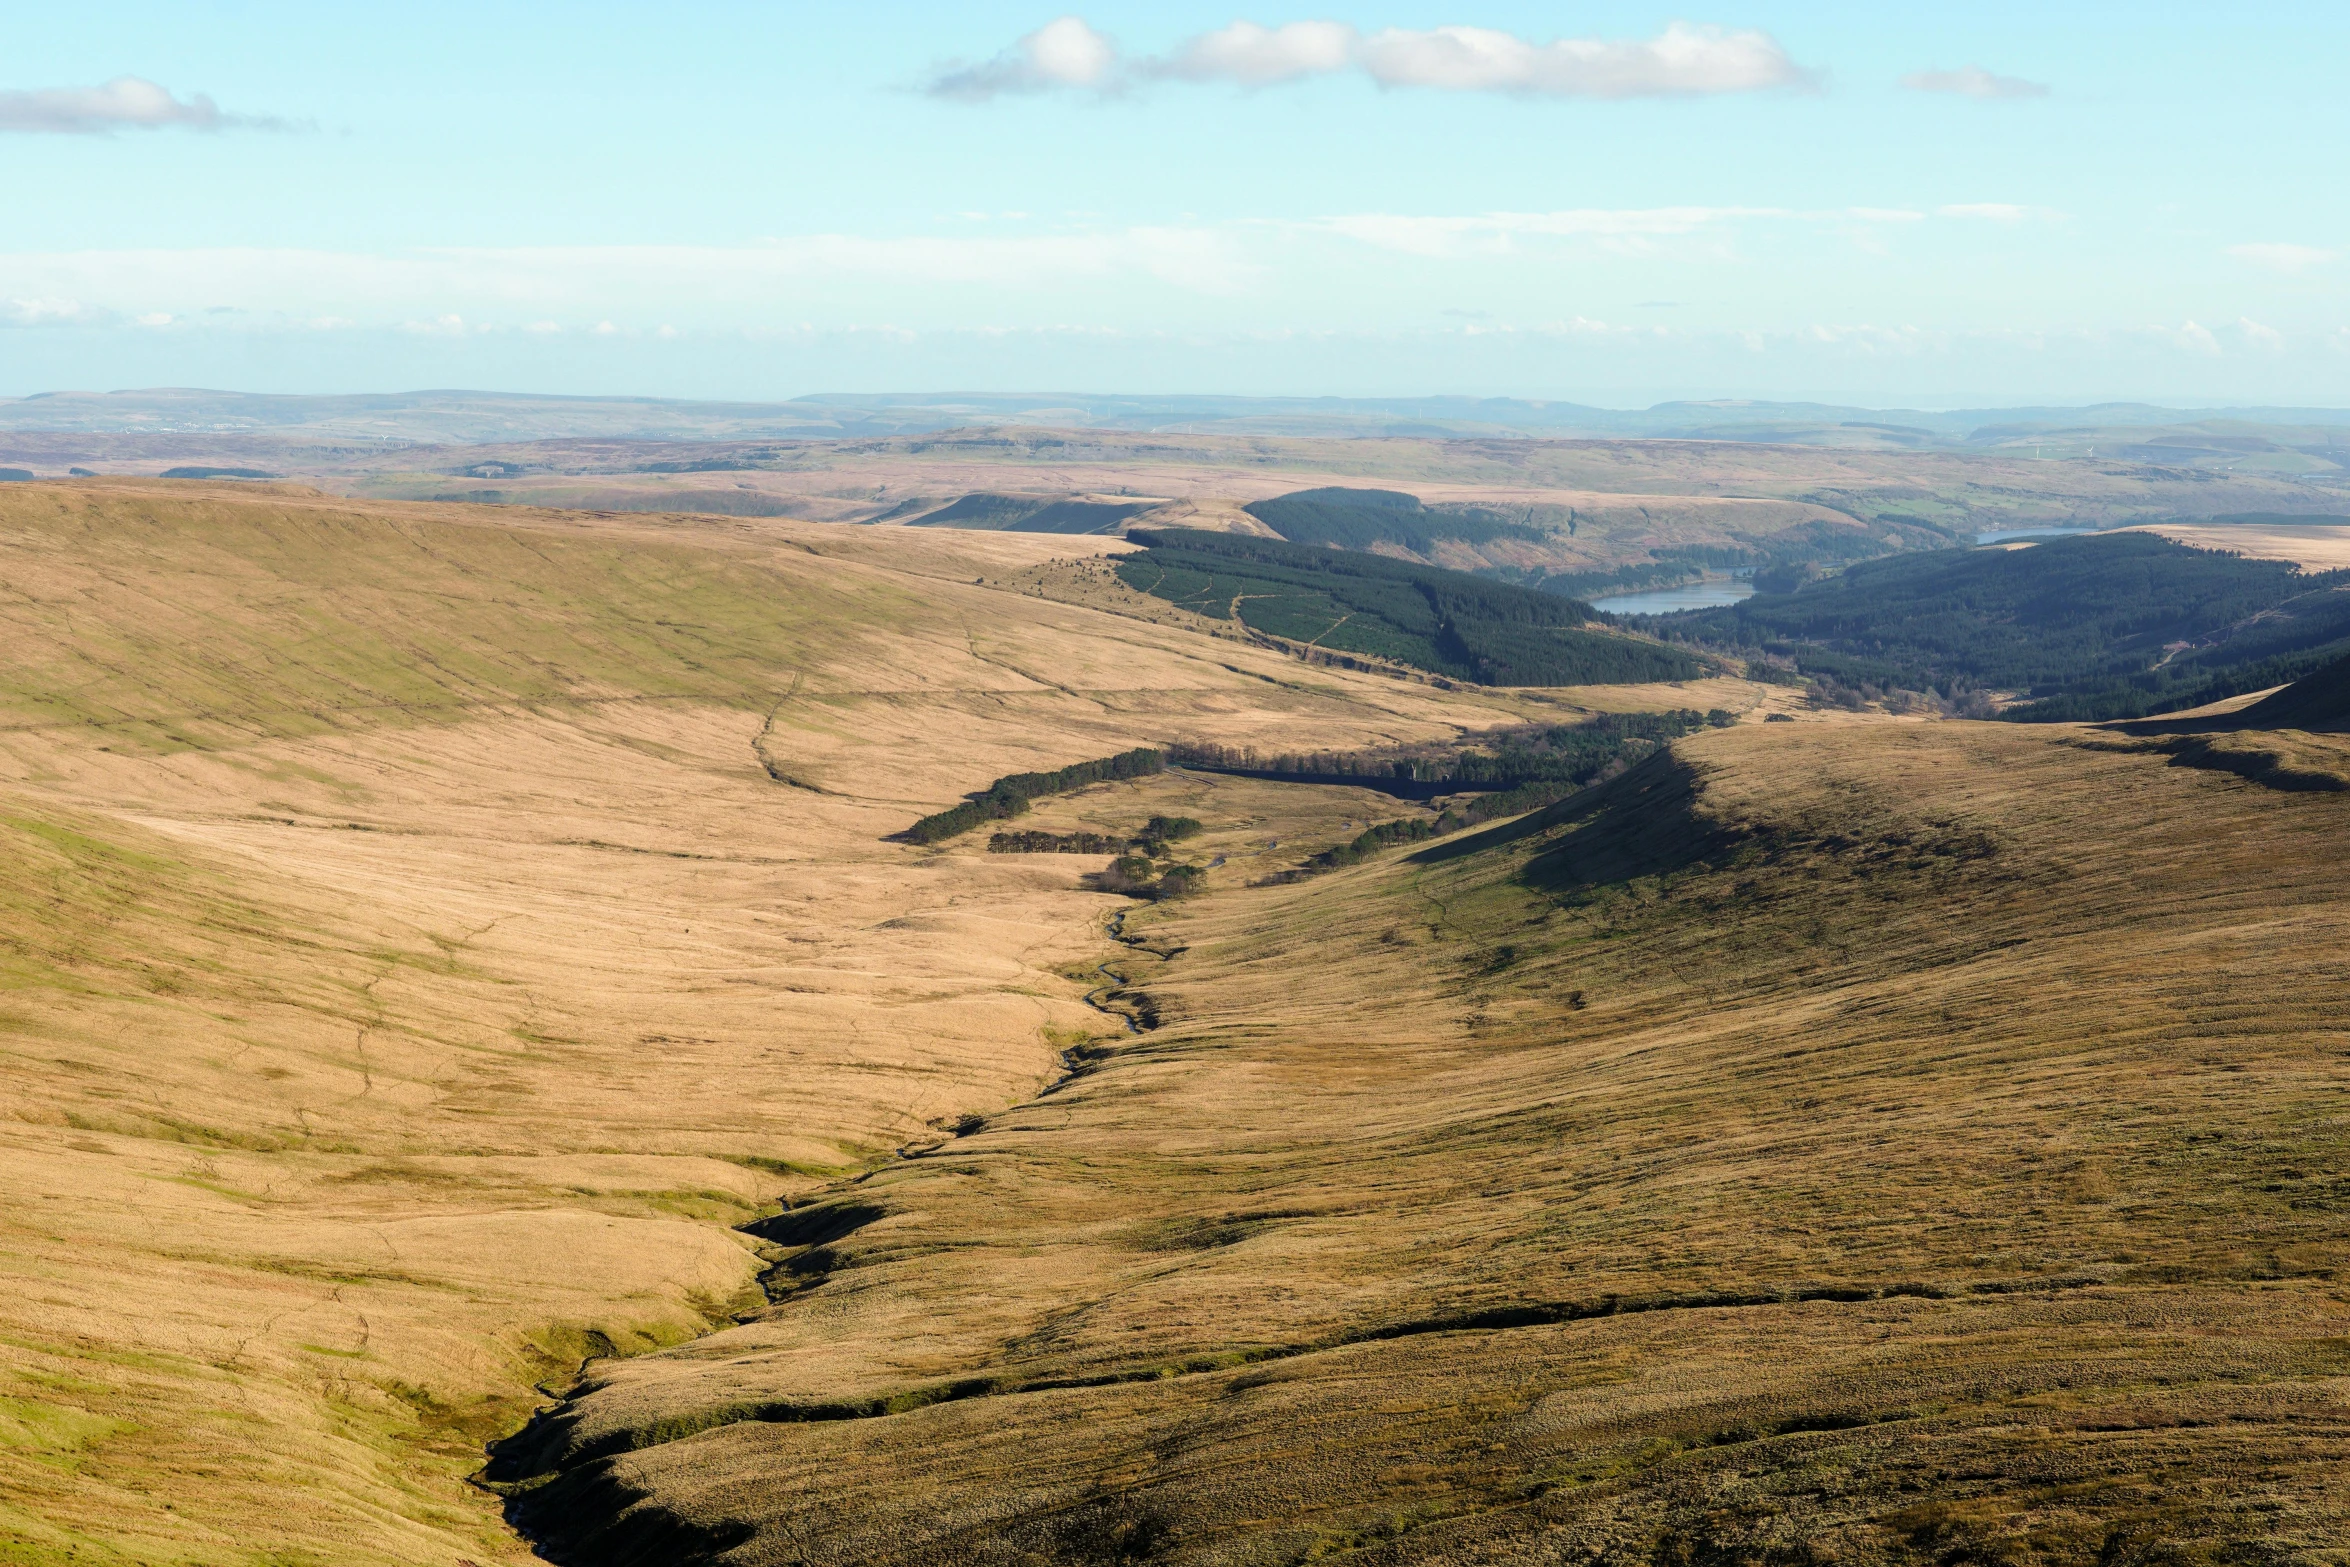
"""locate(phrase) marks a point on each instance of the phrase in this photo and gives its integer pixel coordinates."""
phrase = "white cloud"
(127, 102)
(1493, 231)
(2266, 337)
(1974, 82)
(50, 311)
(2284, 258)
(1256, 56)
(453, 291)
(1682, 60)
(2194, 337)
(1062, 53)
(1994, 211)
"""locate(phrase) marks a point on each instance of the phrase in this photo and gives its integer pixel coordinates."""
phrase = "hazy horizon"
(1788, 200)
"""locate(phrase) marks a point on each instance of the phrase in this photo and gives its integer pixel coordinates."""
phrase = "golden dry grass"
(1865, 1142)
(429, 936)
(2317, 547)
(415, 962)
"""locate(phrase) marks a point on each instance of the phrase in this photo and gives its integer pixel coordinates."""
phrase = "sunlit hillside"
(427, 934)
(1882, 1142)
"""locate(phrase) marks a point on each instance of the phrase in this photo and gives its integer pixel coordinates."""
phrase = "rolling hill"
(426, 933)
(1870, 1143)
(486, 1073)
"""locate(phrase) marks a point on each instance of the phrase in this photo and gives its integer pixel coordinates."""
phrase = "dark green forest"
(2118, 625)
(1009, 796)
(1446, 622)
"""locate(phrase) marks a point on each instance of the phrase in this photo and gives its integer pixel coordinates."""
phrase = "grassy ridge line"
(220, 619)
(1009, 796)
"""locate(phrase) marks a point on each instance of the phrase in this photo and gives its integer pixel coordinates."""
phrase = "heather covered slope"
(426, 934)
(1859, 1142)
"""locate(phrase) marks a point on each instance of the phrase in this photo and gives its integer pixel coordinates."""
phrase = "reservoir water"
(1710, 593)
(2002, 535)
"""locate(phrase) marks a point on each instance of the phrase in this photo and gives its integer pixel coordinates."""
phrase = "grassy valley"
(1882, 1143)
(429, 934)
(491, 1070)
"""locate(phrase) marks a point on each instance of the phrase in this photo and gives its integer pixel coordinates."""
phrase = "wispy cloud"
(125, 103)
(1623, 230)
(1062, 53)
(1684, 60)
(2284, 258)
(448, 291)
(1974, 82)
(1256, 56)
(52, 311)
(1997, 212)
(1495, 231)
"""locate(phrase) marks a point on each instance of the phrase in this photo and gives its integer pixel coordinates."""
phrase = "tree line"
(1009, 796)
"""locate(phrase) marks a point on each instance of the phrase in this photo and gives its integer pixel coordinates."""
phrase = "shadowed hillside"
(2320, 700)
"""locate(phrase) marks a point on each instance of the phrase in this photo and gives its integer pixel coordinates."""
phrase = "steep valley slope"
(457, 991)
(427, 933)
(1867, 1142)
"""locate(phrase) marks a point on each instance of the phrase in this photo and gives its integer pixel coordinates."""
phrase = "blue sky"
(1611, 203)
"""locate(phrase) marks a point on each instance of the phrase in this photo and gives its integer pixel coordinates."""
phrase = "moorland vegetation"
(1352, 519)
(449, 960)
(1031, 514)
(1870, 1143)
(427, 933)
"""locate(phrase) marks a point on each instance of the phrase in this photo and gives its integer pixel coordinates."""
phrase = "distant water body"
(2002, 535)
(1712, 593)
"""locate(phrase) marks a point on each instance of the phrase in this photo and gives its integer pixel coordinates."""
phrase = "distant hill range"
(2132, 431)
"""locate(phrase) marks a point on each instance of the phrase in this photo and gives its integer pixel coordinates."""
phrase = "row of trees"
(1009, 796)
(1500, 759)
